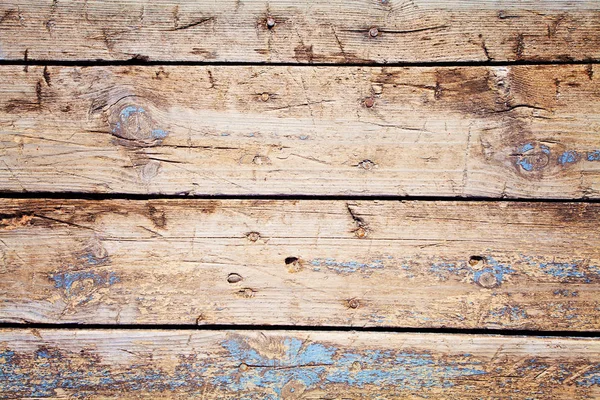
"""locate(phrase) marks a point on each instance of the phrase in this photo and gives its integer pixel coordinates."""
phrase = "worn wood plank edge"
(292, 365)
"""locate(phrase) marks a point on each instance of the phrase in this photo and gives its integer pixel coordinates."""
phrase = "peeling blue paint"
(525, 164)
(526, 147)
(593, 155)
(303, 137)
(65, 280)
(159, 134)
(376, 367)
(568, 157)
(545, 149)
(512, 312)
(590, 378)
(129, 110)
(346, 267)
(495, 268)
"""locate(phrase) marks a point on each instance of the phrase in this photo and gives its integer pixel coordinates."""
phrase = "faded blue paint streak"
(568, 157)
(346, 267)
(307, 364)
(513, 312)
(65, 280)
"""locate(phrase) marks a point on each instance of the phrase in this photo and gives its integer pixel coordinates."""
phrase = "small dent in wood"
(367, 165)
(253, 236)
(246, 293)
(234, 278)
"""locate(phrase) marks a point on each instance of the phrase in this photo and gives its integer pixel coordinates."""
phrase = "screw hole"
(291, 260)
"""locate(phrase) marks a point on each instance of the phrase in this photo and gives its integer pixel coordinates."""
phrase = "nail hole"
(353, 303)
(247, 293)
(234, 278)
(475, 260)
(243, 367)
(367, 165)
(253, 236)
(291, 260)
(270, 22)
(265, 96)
(369, 102)
(373, 32)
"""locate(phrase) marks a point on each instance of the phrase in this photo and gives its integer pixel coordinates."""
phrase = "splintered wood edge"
(291, 365)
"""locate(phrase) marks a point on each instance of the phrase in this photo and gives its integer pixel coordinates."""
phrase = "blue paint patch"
(512, 312)
(495, 268)
(593, 155)
(525, 164)
(568, 157)
(526, 147)
(306, 363)
(346, 267)
(443, 269)
(590, 378)
(159, 134)
(545, 149)
(130, 110)
(65, 280)
(303, 137)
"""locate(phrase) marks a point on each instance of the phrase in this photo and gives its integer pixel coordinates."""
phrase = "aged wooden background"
(367, 199)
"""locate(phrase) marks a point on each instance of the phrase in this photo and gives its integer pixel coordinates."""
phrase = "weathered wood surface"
(315, 263)
(360, 31)
(294, 365)
(515, 131)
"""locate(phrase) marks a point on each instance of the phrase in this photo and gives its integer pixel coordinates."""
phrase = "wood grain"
(520, 131)
(304, 31)
(314, 263)
(294, 365)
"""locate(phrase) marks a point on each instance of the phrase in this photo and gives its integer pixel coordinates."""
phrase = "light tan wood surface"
(519, 131)
(292, 31)
(313, 263)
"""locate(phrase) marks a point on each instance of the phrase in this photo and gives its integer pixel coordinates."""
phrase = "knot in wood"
(133, 126)
(532, 157)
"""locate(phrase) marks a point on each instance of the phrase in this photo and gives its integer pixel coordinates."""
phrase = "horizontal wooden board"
(318, 263)
(517, 131)
(294, 365)
(302, 31)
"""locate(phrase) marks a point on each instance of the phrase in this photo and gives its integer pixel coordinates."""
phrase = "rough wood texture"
(397, 264)
(474, 131)
(305, 31)
(294, 365)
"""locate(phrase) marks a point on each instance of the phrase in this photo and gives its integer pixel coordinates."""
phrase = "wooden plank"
(304, 31)
(318, 263)
(293, 365)
(517, 131)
